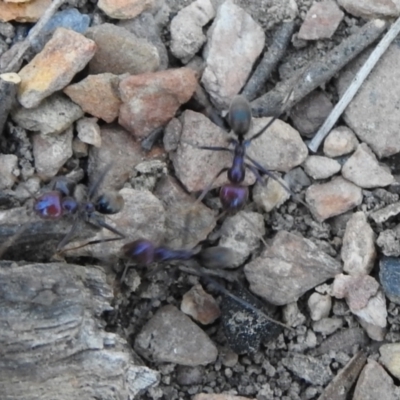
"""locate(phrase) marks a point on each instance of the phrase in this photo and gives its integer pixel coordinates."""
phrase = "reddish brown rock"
(97, 95)
(200, 305)
(23, 12)
(333, 198)
(65, 54)
(150, 100)
(125, 9)
(321, 21)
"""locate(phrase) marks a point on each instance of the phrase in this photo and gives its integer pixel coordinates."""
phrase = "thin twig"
(318, 71)
(354, 86)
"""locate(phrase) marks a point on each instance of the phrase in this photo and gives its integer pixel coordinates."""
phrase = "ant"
(143, 252)
(59, 202)
(234, 195)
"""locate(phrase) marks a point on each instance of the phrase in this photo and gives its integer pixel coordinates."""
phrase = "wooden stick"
(318, 71)
(354, 86)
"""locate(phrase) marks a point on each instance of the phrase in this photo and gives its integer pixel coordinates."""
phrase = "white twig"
(354, 86)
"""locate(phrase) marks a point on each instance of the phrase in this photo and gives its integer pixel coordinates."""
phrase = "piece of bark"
(52, 339)
(275, 53)
(39, 238)
(317, 72)
(8, 91)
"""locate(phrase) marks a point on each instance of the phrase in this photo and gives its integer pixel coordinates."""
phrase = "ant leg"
(264, 171)
(95, 220)
(94, 187)
(90, 243)
(213, 148)
(68, 237)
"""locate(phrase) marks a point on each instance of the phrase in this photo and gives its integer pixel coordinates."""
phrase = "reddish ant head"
(239, 115)
(49, 205)
(140, 251)
(233, 197)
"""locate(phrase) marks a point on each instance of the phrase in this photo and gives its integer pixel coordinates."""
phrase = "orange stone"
(23, 11)
(65, 54)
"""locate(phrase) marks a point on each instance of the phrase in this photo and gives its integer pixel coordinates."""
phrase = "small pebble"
(151, 100)
(319, 167)
(187, 35)
(119, 52)
(9, 170)
(340, 141)
(53, 115)
(171, 336)
(229, 66)
(292, 316)
(319, 306)
(321, 21)
(89, 131)
(125, 9)
(310, 113)
(97, 95)
(390, 358)
(333, 198)
(270, 195)
(363, 169)
(51, 152)
(371, 8)
(29, 11)
(358, 248)
(389, 274)
(172, 133)
(281, 277)
(200, 305)
(327, 326)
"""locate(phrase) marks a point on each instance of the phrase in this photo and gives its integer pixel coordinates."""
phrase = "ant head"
(109, 203)
(140, 251)
(239, 117)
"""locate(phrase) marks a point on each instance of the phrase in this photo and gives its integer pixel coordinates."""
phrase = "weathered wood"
(52, 339)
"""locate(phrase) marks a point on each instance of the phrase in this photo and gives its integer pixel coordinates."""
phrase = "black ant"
(234, 195)
(59, 202)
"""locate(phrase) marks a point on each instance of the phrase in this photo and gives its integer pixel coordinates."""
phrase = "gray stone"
(363, 169)
(319, 306)
(319, 167)
(321, 21)
(120, 52)
(385, 213)
(333, 198)
(54, 115)
(89, 131)
(310, 113)
(308, 368)
(381, 94)
(171, 336)
(340, 141)
(371, 8)
(389, 274)
(187, 29)
(241, 233)
(51, 152)
(390, 358)
(228, 66)
(172, 133)
(358, 248)
(389, 242)
(292, 316)
(375, 383)
(281, 275)
(9, 170)
(327, 326)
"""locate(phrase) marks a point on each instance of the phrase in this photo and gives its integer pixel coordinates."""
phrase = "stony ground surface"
(143, 84)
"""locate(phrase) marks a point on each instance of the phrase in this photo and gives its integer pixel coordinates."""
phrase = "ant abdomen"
(239, 115)
(233, 197)
(140, 251)
(49, 205)
(109, 203)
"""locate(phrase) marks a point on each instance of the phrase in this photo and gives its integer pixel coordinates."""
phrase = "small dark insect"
(59, 202)
(143, 252)
(234, 195)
